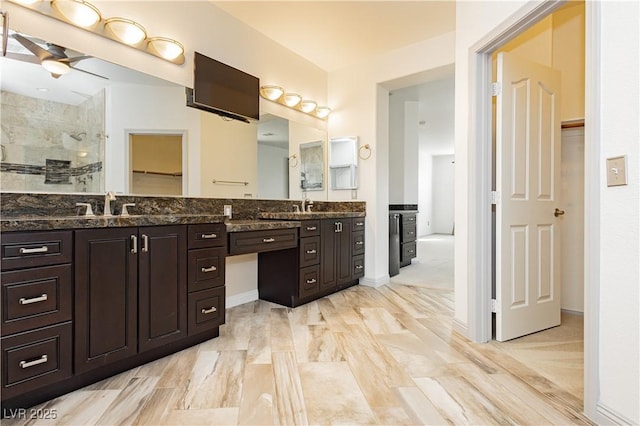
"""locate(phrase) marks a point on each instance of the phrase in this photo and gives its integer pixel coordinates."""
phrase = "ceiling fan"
(53, 58)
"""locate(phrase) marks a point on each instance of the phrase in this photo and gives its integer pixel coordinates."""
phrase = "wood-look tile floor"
(362, 356)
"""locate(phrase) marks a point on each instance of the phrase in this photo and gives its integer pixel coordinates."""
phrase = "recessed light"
(42, 89)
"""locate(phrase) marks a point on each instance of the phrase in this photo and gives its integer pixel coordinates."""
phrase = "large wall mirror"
(77, 133)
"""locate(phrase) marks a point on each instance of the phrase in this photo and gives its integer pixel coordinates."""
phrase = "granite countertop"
(307, 216)
(37, 223)
(259, 225)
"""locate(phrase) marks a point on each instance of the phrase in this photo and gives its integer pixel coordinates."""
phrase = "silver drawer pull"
(359, 243)
(209, 310)
(24, 301)
(411, 233)
(42, 249)
(27, 364)
(268, 240)
(311, 228)
(209, 269)
(359, 267)
(312, 281)
(359, 223)
(311, 251)
(208, 236)
(410, 251)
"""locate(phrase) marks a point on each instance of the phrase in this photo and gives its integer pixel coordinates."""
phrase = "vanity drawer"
(35, 298)
(358, 224)
(408, 233)
(309, 251)
(358, 266)
(309, 228)
(408, 252)
(358, 243)
(207, 235)
(35, 359)
(262, 241)
(206, 310)
(206, 268)
(408, 218)
(309, 281)
(30, 249)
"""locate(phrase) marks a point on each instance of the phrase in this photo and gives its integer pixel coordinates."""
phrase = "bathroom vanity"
(84, 298)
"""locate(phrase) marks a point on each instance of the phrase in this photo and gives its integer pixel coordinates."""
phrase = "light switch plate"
(617, 171)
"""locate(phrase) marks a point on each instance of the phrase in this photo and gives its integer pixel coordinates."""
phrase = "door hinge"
(495, 197)
(494, 306)
(496, 89)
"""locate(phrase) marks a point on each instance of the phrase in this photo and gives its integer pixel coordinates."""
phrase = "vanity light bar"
(84, 15)
(278, 95)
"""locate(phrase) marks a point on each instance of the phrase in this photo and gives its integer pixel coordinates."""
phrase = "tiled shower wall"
(39, 152)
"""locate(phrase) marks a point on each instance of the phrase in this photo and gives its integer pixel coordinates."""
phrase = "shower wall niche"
(52, 146)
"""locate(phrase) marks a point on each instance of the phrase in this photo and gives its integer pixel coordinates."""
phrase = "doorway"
(480, 295)
(156, 163)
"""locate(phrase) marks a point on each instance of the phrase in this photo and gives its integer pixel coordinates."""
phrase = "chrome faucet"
(306, 205)
(108, 198)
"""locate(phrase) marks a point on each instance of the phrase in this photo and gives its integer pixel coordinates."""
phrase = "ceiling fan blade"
(74, 59)
(90, 73)
(23, 57)
(33, 48)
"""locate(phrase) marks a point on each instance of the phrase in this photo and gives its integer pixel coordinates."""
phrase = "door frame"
(480, 163)
(128, 176)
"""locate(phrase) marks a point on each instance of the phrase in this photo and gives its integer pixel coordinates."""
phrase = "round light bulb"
(78, 12)
(166, 48)
(308, 106)
(56, 67)
(271, 92)
(292, 99)
(126, 30)
(323, 111)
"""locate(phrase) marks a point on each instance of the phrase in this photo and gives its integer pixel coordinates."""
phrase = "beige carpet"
(433, 268)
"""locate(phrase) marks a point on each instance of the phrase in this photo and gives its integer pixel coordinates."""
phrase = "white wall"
(572, 171)
(273, 176)
(229, 152)
(396, 149)
(443, 194)
(619, 296)
(425, 192)
(361, 108)
(411, 158)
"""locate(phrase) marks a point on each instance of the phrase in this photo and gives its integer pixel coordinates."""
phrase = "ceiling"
(336, 34)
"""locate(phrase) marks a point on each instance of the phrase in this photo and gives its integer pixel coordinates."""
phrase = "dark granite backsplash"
(42, 205)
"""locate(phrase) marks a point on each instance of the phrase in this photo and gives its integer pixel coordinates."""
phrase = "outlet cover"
(617, 171)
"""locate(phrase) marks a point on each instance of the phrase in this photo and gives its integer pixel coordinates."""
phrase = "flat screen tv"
(224, 90)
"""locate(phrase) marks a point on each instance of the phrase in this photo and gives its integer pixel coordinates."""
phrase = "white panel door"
(528, 183)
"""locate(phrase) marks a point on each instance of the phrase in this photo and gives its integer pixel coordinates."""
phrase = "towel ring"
(367, 153)
(293, 160)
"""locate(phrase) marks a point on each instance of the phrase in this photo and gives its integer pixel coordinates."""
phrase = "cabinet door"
(329, 230)
(162, 285)
(106, 271)
(343, 252)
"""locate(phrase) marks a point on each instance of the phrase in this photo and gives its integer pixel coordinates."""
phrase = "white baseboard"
(572, 312)
(242, 298)
(375, 282)
(610, 416)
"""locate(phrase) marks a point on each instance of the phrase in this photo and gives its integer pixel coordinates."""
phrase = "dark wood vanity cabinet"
(36, 304)
(342, 259)
(131, 292)
(408, 233)
(329, 257)
(206, 273)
